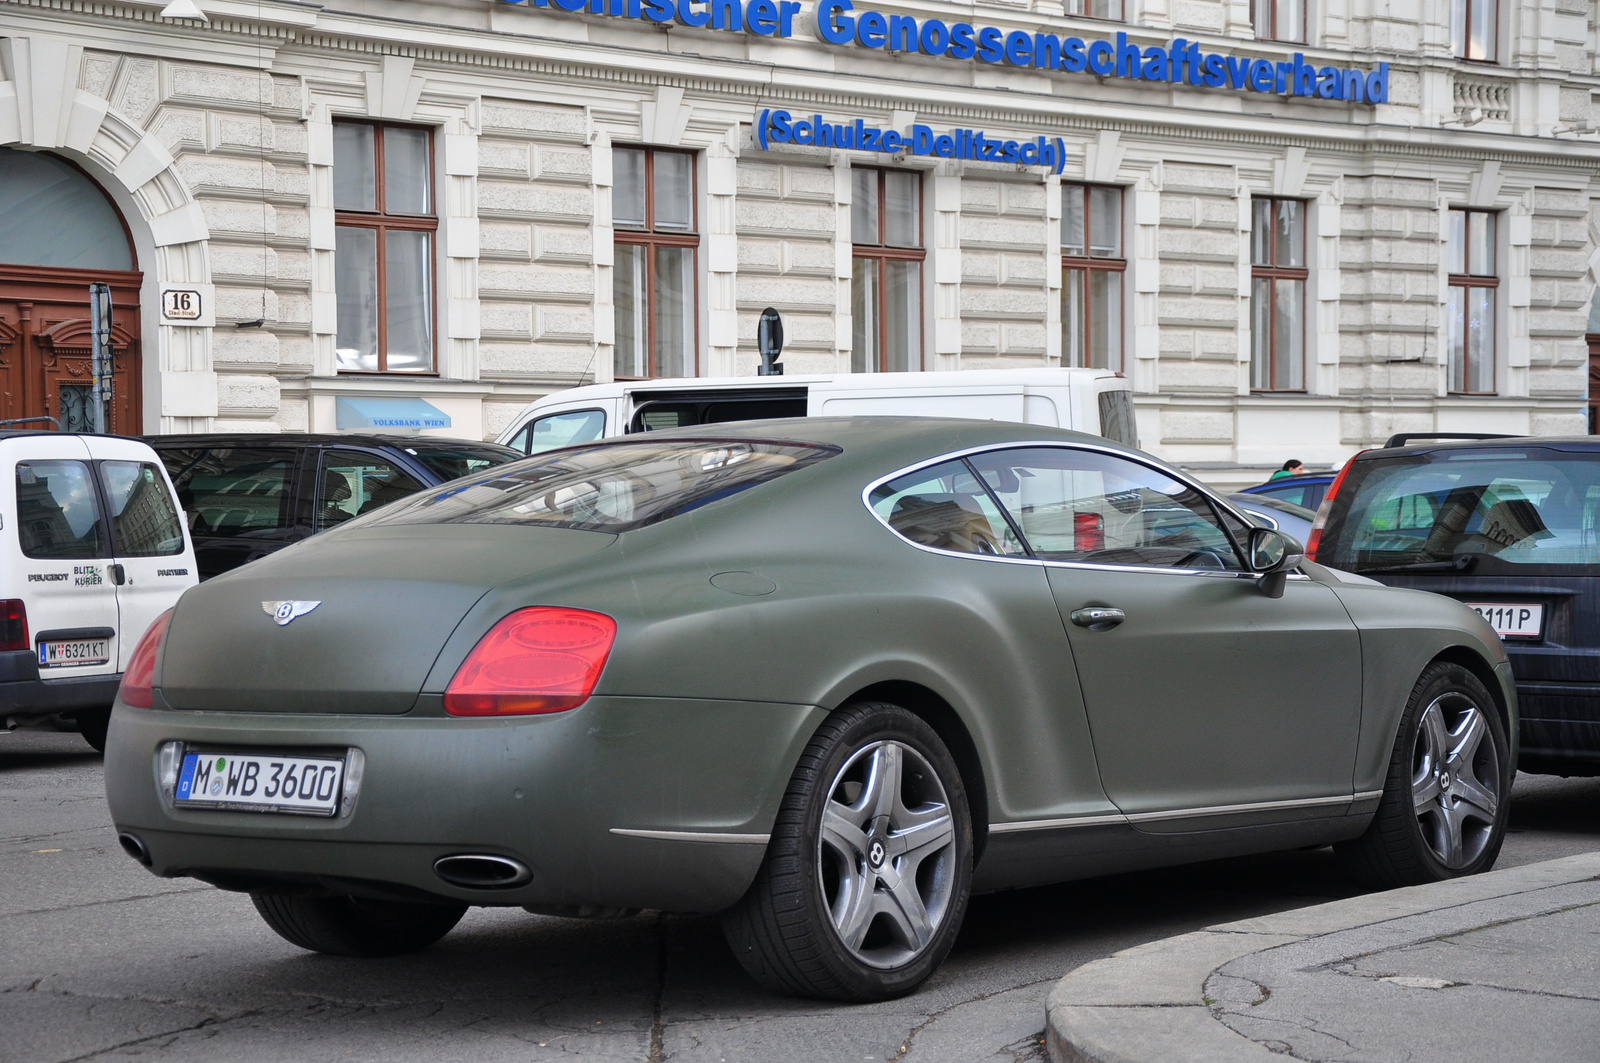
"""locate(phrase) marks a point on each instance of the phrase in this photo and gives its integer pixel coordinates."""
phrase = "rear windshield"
(461, 459)
(1487, 511)
(612, 487)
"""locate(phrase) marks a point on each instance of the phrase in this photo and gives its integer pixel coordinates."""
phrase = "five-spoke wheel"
(866, 876)
(1443, 810)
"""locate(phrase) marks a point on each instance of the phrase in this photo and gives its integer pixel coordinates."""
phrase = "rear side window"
(141, 509)
(354, 483)
(946, 508)
(1295, 494)
(610, 487)
(1116, 417)
(58, 516)
(232, 492)
(454, 462)
(1499, 510)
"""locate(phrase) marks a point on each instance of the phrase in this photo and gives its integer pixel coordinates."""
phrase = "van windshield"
(609, 487)
(1504, 510)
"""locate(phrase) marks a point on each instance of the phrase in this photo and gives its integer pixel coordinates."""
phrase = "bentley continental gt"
(827, 677)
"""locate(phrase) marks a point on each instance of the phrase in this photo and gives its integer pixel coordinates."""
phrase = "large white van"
(93, 547)
(1096, 401)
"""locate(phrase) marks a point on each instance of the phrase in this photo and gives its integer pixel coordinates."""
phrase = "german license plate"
(1512, 620)
(75, 651)
(256, 782)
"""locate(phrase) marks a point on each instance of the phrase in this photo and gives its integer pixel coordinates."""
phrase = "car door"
(1203, 694)
(238, 500)
(152, 563)
(64, 550)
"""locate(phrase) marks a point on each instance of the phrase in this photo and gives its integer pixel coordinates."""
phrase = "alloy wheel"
(1456, 780)
(886, 854)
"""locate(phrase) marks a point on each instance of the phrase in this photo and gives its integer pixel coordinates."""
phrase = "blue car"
(1305, 490)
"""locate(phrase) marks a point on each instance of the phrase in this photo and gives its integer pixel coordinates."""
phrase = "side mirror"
(1272, 555)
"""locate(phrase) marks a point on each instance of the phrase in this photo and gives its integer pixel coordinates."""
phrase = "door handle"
(118, 574)
(1098, 617)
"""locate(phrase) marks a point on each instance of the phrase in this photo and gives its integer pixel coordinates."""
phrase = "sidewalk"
(1503, 966)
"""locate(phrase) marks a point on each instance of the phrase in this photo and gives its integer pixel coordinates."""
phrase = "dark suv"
(1511, 528)
(248, 495)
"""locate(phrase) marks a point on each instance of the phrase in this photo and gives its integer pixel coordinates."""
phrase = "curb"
(1148, 1004)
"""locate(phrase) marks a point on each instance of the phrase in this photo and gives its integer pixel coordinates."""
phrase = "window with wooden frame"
(886, 271)
(1278, 276)
(1092, 268)
(655, 279)
(386, 228)
(1470, 259)
(1109, 10)
(1280, 20)
(1475, 30)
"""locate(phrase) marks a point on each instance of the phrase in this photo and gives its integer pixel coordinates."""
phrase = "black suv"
(248, 495)
(1510, 527)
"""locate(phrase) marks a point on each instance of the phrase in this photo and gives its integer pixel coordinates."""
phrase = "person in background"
(1292, 467)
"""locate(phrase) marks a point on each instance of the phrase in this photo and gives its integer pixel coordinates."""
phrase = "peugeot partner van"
(1097, 401)
(92, 549)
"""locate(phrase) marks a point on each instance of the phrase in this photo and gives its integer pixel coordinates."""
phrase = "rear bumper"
(25, 695)
(1560, 727)
(549, 791)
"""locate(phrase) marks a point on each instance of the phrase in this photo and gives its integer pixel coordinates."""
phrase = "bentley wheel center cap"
(1444, 781)
(875, 853)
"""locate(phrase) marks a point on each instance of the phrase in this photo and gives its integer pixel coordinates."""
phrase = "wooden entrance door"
(46, 347)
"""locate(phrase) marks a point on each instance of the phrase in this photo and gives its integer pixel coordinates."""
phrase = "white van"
(1096, 401)
(93, 547)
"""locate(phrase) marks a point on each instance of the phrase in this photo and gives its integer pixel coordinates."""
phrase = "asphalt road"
(98, 959)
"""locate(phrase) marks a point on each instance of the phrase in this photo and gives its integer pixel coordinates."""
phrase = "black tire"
(783, 931)
(354, 926)
(93, 725)
(1408, 842)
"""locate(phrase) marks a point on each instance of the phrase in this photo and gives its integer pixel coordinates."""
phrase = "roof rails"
(1405, 437)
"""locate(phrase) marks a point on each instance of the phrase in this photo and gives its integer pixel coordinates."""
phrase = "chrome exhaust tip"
(134, 847)
(482, 871)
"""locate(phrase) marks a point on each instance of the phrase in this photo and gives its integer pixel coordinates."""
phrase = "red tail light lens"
(1088, 531)
(139, 676)
(542, 659)
(1314, 540)
(13, 625)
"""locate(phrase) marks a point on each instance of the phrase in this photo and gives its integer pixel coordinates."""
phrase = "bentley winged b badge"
(283, 612)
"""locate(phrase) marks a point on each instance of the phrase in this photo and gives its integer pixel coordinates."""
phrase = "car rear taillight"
(540, 659)
(1314, 540)
(139, 676)
(1088, 531)
(13, 625)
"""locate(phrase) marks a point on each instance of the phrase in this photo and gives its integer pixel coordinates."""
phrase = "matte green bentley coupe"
(826, 677)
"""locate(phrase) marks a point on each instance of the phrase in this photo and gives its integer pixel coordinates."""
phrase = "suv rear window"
(611, 487)
(1116, 418)
(1505, 510)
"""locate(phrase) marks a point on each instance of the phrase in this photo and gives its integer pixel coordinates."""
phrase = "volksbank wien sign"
(839, 22)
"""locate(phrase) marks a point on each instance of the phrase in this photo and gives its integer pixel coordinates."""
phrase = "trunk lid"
(387, 599)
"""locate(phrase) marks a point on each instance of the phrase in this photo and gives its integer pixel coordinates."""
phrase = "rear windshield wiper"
(1461, 563)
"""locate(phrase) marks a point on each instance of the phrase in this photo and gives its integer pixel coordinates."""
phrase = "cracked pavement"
(100, 960)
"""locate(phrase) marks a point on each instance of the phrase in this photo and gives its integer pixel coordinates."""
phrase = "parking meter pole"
(100, 359)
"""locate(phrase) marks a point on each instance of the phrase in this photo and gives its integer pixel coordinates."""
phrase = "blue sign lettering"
(780, 127)
(840, 24)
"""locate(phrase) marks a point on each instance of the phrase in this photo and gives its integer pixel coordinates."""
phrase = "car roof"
(910, 439)
(1576, 444)
(314, 439)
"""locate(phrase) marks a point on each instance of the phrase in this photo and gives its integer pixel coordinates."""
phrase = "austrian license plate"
(256, 782)
(1512, 620)
(75, 651)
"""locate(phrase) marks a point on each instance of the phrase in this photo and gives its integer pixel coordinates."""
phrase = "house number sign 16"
(180, 304)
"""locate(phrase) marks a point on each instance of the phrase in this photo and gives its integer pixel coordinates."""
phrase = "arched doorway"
(59, 233)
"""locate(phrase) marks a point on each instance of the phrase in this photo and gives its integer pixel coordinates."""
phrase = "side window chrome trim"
(957, 455)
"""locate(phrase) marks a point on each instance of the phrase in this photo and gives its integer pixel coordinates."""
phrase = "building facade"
(1297, 225)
